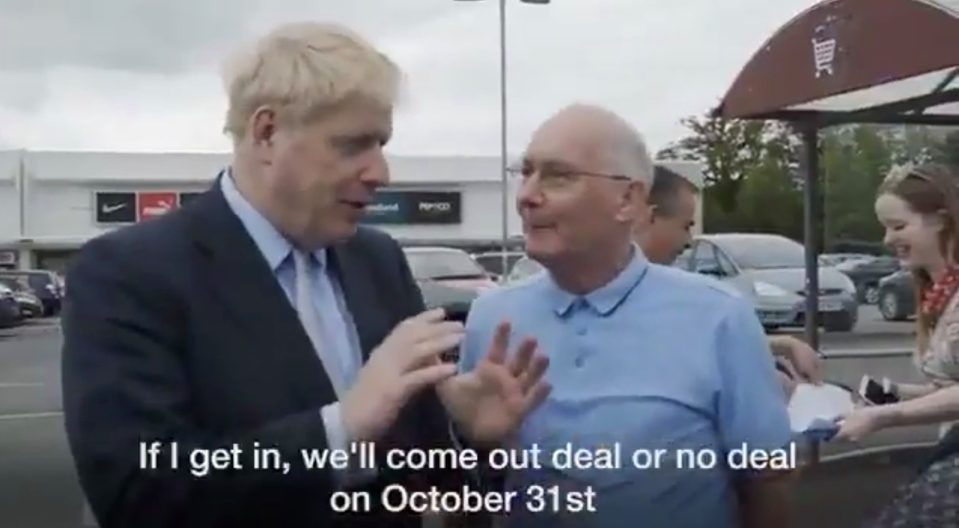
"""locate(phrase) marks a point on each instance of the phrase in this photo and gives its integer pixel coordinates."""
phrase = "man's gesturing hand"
(404, 363)
(490, 402)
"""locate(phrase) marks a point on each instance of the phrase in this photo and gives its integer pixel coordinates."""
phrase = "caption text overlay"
(365, 457)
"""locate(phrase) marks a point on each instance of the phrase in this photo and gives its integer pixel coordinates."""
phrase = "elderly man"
(642, 356)
(665, 232)
(260, 319)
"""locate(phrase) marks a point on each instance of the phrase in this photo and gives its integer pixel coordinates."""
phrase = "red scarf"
(935, 298)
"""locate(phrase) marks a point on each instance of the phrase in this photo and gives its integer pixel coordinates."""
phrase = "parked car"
(897, 296)
(492, 261)
(9, 308)
(456, 301)
(771, 269)
(834, 259)
(866, 272)
(45, 284)
(524, 268)
(30, 304)
(449, 267)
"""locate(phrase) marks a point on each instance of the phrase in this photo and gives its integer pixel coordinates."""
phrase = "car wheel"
(872, 294)
(839, 322)
(890, 307)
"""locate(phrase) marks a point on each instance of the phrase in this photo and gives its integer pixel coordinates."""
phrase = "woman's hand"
(862, 422)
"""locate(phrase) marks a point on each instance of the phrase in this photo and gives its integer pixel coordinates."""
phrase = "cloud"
(143, 75)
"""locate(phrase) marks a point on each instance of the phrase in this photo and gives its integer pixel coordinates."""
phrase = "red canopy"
(841, 61)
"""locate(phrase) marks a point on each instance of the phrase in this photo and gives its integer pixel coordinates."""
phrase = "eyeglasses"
(556, 177)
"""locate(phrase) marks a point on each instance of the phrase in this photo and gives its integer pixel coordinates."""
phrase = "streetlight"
(502, 106)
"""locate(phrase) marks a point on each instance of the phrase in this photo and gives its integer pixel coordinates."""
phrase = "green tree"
(727, 148)
(855, 159)
(770, 201)
(948, 151)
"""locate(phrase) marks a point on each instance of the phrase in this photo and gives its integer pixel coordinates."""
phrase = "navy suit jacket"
(175, 330)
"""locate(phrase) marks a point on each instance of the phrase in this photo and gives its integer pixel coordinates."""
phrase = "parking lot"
(37, 482)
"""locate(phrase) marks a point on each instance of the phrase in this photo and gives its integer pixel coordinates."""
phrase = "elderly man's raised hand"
(489, 403)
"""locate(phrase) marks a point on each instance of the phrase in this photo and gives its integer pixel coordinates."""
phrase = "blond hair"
(301, 70)
(930, 189)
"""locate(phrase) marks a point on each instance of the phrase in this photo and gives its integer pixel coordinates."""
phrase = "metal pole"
(812, 213)
(503, 147)
(22, 194)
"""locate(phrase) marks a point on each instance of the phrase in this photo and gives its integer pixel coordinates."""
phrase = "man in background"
(666, 232)
(672, 215)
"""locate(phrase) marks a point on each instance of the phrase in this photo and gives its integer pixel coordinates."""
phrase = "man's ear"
(633, 206)
(263, 126)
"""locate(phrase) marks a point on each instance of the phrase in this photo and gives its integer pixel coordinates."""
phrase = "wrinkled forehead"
(564, 143)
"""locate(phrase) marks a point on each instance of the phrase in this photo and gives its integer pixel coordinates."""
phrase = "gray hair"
(634, 157)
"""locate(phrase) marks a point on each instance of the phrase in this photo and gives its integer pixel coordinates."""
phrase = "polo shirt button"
(581, 331)
(579, 362)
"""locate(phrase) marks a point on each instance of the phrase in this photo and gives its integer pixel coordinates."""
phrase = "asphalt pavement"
(38, 487)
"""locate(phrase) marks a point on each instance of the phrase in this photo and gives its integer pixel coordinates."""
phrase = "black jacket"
(176, 330)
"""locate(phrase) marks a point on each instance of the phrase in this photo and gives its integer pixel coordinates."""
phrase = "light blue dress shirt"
(656, 359)
(338, 329)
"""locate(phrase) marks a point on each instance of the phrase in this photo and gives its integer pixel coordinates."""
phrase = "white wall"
(9, 197)
(61, 213)
(61, 186)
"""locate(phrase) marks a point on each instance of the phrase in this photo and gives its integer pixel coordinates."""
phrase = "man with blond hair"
(644, 358)
(207, 351)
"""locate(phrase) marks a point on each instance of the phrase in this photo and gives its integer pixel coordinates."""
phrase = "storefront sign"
(414, 207)
(115, 207)
(154, 204)
(185, 197)
(8, 258)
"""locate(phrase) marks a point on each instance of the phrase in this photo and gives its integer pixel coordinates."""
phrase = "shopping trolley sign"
(825, 46)
(824, 54)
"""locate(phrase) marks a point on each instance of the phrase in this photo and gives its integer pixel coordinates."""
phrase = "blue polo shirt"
(657, 359)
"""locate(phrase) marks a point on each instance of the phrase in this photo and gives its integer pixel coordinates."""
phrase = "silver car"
(771, 269)
(524, 268)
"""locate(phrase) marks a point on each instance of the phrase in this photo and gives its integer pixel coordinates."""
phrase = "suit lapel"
(238, 275)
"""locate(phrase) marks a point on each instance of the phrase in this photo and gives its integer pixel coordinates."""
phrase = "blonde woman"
(919, 208)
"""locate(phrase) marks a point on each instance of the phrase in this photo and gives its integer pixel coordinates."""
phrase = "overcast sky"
(143, 75)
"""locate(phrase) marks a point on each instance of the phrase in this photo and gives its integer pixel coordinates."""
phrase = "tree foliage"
(728, 148)
(753, 182)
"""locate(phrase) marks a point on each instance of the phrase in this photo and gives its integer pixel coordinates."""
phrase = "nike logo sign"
(107, 208)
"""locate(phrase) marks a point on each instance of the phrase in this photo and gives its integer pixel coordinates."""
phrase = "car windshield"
(13, 284)
(770, 252)
(427, 265)
(682, 261)
(36, 280)
(525, 267)
(493, 262)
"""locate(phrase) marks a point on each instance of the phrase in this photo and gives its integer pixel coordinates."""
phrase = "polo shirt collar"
(609, 296)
